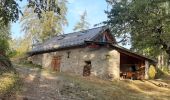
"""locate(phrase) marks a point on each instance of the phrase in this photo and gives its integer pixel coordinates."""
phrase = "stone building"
(92, 52)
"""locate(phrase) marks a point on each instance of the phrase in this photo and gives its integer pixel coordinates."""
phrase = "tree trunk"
(162, 60)
(168, 62)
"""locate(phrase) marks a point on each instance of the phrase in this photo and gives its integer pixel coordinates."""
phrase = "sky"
(94, 8)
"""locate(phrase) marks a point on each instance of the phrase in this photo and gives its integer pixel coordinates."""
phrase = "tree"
(48, 25)
(10, 10)
(82, 24)
(46, 5)
(4, 37)
(147, 22)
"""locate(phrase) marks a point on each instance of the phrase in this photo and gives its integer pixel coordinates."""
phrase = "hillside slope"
(9, 79)
(47, 85)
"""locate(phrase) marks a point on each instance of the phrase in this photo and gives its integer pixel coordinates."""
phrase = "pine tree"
(82, 24)
(48, 25)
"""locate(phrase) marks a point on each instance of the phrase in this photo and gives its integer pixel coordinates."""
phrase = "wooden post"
(146, 69)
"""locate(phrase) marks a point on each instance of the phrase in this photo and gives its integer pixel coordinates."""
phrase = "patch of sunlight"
(30, 78)
(45, 73)
(6, 82)
(134, 87)
(92, 56)
(154, 85)
(34, 69)
(51, 78)
(85, 56)
(147, 88)
(42, 86)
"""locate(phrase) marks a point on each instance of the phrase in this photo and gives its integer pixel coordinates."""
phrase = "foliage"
(29, 64)
(82, 24)
(49, 25)
(145, 22)
(165, 69)
(162, 73)
(18, 47)
(11, 53)
(3, 45)
(10, 10)
(45, 6)
(4, 37)
(152, 72)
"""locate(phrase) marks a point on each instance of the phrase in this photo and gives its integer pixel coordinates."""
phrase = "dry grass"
(76, 87)
(72, 87)
(8, 84)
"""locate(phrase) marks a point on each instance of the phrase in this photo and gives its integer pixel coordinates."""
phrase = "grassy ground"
(29, 65)
(9, 84)
(76, 87)
(72, 87)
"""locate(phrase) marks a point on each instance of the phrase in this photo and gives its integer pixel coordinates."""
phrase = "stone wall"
(105, 62)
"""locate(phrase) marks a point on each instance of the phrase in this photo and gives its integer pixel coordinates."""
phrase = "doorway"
(87, 68)
(131, 67)
(56, 63)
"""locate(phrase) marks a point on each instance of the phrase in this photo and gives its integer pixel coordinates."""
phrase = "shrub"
(152, 72)
(165, 69)
(159, 73)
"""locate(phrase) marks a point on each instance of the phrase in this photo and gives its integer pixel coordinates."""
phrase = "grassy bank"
(75, 87)
(9, 85)
(91, 88)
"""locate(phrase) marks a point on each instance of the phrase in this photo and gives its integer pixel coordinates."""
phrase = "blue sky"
(95, 14)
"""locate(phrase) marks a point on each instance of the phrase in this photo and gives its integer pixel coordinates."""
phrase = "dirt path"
(37, 85)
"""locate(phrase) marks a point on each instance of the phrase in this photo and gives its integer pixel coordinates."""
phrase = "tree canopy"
(4, 36)
(10, 9)
(50, 23)
(145, 22)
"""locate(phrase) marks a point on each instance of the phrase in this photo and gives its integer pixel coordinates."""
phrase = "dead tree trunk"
(168, 60)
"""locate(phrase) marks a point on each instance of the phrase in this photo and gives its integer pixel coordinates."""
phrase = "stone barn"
(92, 52)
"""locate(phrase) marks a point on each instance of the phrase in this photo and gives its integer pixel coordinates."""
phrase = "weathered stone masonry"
(105, 62)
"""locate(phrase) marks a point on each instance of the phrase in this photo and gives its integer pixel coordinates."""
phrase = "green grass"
(29, 65)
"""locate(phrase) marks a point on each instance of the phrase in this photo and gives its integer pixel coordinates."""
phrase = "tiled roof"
(69, 40)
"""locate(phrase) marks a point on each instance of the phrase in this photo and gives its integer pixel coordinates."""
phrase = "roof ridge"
(85, 30)
(80, 31)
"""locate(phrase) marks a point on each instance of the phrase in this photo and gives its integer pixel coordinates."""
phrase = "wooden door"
(56, 63)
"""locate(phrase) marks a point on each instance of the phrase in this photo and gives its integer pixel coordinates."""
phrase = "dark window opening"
(133, 68)
(87, 68)
(68, 54)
